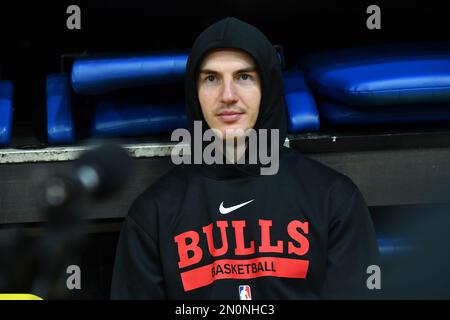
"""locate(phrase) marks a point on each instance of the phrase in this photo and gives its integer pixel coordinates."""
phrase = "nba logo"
(245, 293)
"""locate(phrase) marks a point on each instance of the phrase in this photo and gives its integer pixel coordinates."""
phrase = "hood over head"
(231, 33)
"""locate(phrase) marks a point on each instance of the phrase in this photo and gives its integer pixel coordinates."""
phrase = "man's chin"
(234, 133)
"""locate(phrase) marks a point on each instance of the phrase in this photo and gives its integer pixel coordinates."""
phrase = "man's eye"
(210, 78)
(245, 77)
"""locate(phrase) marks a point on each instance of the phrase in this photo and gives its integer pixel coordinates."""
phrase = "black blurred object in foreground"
(98, 173)
(38, 267)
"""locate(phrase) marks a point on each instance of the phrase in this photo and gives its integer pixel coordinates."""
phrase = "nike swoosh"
(224, 210)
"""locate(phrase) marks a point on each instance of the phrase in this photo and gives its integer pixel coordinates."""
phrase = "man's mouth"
(230, 116)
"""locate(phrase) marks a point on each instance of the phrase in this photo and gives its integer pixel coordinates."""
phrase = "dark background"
(33, 36)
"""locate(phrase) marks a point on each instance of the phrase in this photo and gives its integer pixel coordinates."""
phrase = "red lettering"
(191, 253)
(184, 248)
(297, 236)
(265, 238)
(241, 250)
(223, 235)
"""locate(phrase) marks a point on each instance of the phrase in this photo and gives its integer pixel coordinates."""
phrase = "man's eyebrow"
(248, 69)
(244, 70)
(208, 71)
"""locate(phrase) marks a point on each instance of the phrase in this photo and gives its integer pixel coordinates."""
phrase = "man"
(213, 231)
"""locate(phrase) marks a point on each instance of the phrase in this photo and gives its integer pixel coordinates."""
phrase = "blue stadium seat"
(114, 118)
(6, 111)
(96, 75)
(60, 128)
(301, 107)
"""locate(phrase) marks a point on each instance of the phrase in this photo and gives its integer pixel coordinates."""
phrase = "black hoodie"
(303, 233)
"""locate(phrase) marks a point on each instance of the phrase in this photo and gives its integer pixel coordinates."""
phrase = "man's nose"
(229, 95)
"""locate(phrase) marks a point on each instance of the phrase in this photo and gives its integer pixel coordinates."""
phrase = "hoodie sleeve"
(352, 247)
(137, 269)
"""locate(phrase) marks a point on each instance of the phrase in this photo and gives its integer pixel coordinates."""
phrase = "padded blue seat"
(340, 114)
(381, 75)
(301, 107)
(95, 75)
(59, 110)
(391, 246)
(6, 111)
(118, 118)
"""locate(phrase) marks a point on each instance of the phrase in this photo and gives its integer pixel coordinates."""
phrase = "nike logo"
(224, 210)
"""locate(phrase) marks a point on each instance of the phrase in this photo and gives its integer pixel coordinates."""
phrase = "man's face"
(229, 91)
